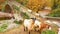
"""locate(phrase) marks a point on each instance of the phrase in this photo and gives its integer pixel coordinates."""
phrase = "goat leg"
(25, 29)
(29, 32)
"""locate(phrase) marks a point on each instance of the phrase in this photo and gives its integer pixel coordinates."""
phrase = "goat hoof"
(29, 32)
(24, 29)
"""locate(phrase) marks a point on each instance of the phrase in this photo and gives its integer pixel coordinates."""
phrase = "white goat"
(28, 23)
(59, 31)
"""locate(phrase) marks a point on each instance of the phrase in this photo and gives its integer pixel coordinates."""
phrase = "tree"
(37, 5)
(2, 3)
(55, 4)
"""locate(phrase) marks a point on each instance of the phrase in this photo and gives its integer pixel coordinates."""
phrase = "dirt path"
(18, 30)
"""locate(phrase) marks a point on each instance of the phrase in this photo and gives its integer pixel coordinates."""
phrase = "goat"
(28, 25)
(40, 25)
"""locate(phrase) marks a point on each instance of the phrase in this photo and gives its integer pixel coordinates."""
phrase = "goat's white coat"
(59, 31)
(27, 23)
(37, 23)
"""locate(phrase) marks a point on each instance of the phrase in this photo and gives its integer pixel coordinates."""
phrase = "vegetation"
(4, 26)
(55, 4)
(18, 22)
(48, 31)
(3, 8)
(25, 15)
(2, 1)
(37, 5)
(55, 13)
(23, 2)
(15, 7)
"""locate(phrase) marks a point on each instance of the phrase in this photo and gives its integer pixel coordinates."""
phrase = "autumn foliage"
(37, 5)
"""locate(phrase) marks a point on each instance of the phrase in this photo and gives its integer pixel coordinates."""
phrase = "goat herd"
(35, 25)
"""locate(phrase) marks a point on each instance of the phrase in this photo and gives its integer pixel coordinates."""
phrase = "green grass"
(48, 31)
(25, 15)
(4, 26)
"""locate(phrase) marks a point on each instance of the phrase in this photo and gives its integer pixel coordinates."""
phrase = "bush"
(55, 13)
